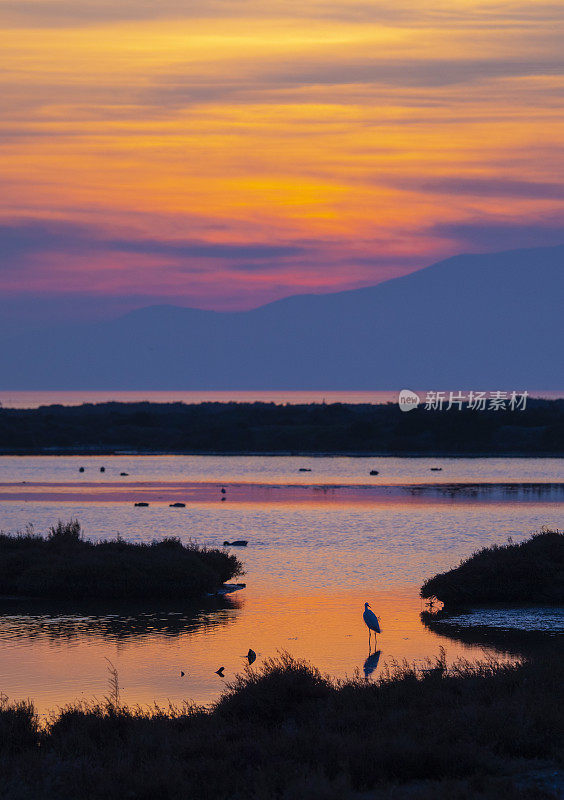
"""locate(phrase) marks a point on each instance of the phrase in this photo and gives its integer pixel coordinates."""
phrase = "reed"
(485, 731)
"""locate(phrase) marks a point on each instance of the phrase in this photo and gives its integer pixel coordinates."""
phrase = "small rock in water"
(124, 473)
(177, 505)
(81, 469)
(374, 472)
(142, 505)
(102, 469)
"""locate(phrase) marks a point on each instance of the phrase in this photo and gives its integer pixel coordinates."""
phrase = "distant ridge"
(490, 321)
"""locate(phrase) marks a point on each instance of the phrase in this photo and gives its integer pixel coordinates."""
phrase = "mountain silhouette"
(471, 321)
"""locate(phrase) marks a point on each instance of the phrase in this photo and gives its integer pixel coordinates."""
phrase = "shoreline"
(117, 451)
(338, 429)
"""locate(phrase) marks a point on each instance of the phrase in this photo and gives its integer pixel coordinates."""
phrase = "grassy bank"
(529, 572)
(272, 428)
(65, 565)
(284, 731)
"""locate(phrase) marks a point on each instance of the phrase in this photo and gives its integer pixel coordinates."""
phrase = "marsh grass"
(529, 572)
(113, 696)
(284, 730)
(65, 565)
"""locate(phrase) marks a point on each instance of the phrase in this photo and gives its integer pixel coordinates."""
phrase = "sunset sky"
(224, 154)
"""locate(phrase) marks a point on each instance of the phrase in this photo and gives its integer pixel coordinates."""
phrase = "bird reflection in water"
(371, 663)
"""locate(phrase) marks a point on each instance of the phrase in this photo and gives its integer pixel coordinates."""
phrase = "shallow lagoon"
(314, 557)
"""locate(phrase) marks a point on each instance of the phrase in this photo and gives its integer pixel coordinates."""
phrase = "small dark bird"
(81, 469)
(181, 674)
(373, 471)
(124, 473)
(102, 469)
(251, 656)
(223, 490)
(222, 499)
(220, 672)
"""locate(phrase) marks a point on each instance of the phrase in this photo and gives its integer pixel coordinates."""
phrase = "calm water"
(277, 470)
(314, 556)
(34, 399)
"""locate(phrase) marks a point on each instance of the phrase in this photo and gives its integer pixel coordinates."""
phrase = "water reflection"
(310, 566)
(371, 663)
(333, 470)
(513, 631)
(488, 491)
(56, 654)
(55, 620)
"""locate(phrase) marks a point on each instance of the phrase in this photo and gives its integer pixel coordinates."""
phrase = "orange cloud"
(368, 139)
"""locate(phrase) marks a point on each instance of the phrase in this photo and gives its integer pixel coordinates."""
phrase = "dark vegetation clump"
(277, 428)
(529, 572)
(65, 565)
(485, 732)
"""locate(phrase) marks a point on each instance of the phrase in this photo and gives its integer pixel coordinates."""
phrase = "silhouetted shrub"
(529, 572)
(65, 565)
(283, 731)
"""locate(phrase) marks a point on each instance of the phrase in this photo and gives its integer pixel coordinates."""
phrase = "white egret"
(371, 621)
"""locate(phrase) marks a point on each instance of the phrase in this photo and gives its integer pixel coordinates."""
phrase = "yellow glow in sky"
(358, 140)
